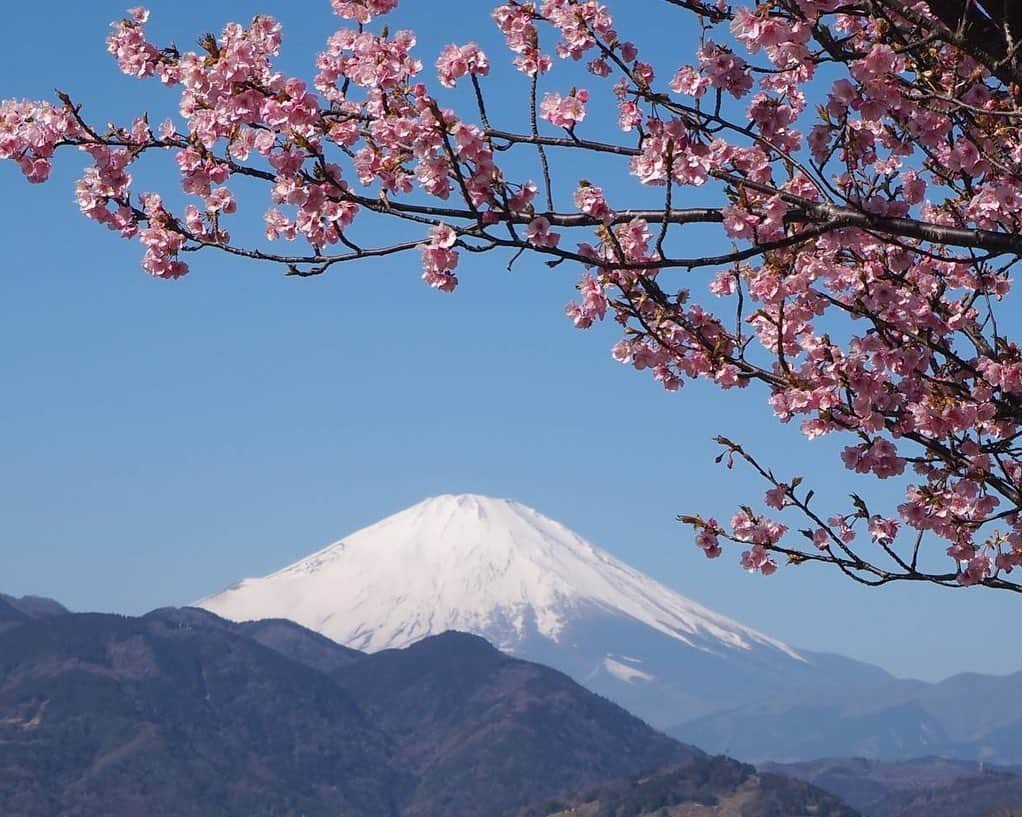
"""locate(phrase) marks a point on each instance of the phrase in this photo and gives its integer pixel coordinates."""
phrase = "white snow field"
(533, 588)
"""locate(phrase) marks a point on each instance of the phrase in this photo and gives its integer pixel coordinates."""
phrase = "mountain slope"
(10, 616)
(896, 720)
(786, 730)
(981, 795)
(102, 715)
(705, 787)
(285, 637)
(181, 713)
(472, 564)
(34, 606)
(926, 787)
(480, 728)
(533, 588)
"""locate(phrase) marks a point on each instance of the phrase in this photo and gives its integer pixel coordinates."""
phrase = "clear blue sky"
(160, 440)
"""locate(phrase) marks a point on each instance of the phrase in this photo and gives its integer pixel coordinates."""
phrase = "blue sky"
(160, 440)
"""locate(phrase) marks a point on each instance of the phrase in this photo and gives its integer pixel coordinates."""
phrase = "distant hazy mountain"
(180, 713)
(926, 787)
(896, 720)
(991, 794)
(705, 787)
(538, 591)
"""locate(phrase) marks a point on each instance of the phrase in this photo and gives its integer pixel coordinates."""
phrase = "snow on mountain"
(534, 588)
(488, 566)
(624, 672)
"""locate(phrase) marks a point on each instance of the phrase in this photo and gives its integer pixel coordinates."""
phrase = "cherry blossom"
(565, 111)
(456, 61)
(858, 163)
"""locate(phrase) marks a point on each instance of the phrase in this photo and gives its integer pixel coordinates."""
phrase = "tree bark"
(991, 30)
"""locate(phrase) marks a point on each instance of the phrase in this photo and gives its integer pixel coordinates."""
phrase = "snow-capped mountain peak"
(478, 564)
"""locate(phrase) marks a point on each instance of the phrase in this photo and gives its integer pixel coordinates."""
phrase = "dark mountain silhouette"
(974, 795)
(180, 713)
(301, 645)
(103, 715)
(34, 606)
(10, 616)
(280, 635)
(468, 719)
(704, 787)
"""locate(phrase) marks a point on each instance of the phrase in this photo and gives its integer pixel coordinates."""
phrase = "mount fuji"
(535, 589)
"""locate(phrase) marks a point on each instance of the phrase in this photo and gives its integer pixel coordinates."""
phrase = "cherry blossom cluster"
(565, 111)
(517, 22)
(439, 259)
(867, 230)
(456, 61)
(30, 133)
(362, 11)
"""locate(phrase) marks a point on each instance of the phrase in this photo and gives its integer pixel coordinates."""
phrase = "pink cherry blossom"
(816, 199)
(439, 259)
(565, 111)
(539, 233)
(589, 200)
(456, 61)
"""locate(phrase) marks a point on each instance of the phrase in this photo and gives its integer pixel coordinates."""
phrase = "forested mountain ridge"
(179, 713)
(705, 787)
